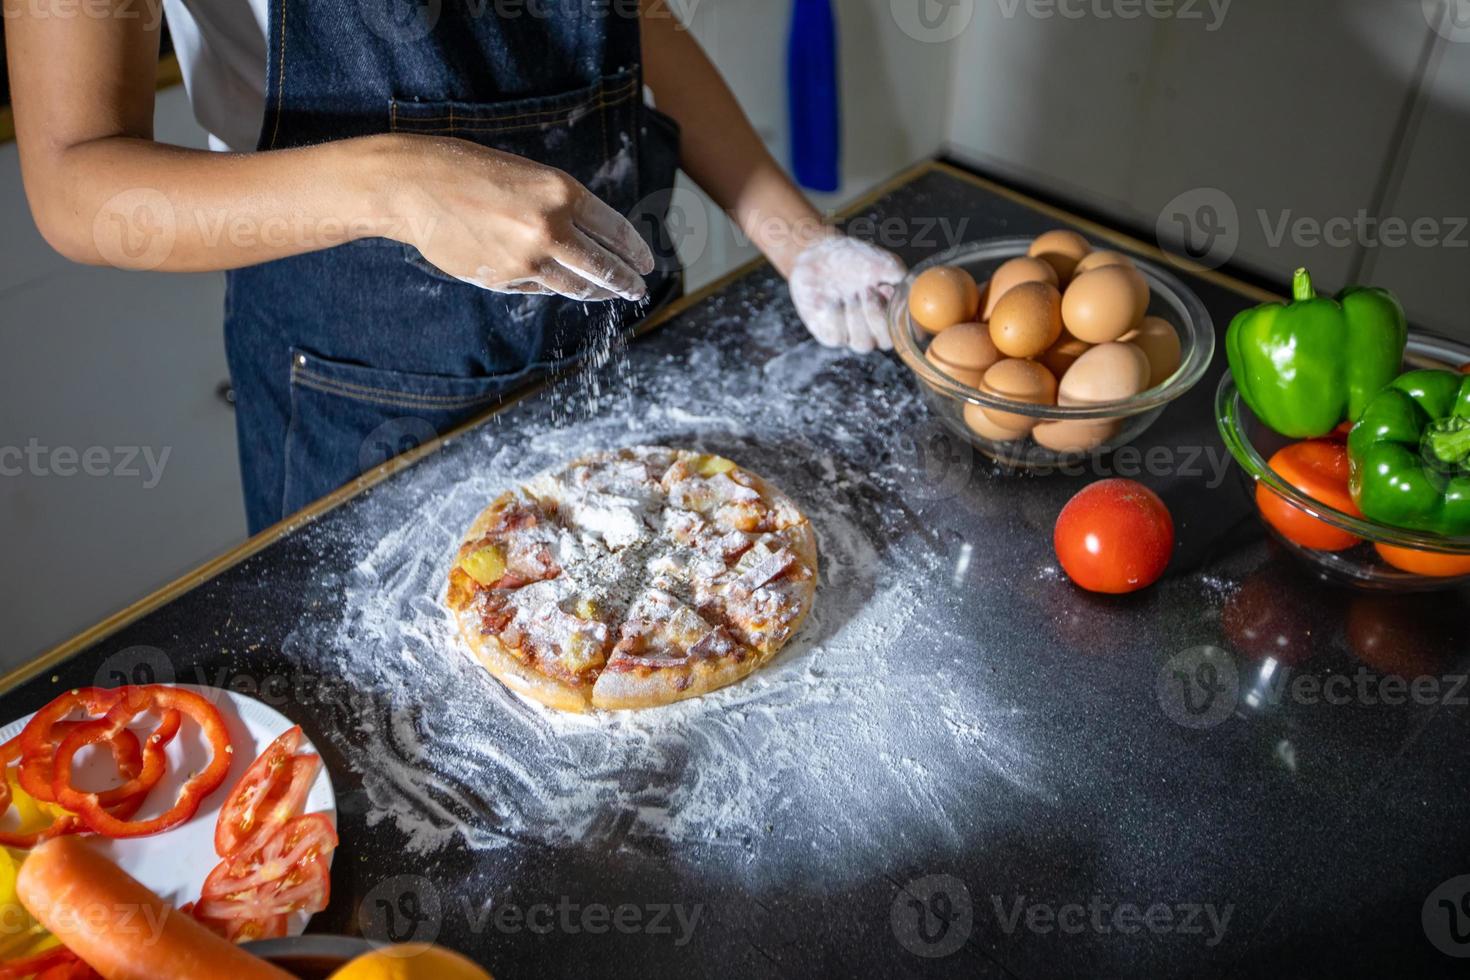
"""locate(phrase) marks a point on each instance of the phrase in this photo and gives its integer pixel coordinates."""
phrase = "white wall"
(894, 100)
(1290, 115)
(102, 358)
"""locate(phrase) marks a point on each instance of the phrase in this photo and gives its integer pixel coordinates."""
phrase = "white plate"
(175, 863)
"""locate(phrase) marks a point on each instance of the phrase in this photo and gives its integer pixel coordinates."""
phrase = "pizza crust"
(667, 664)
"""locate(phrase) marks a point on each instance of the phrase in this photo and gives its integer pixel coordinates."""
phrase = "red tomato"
(1317, 468)
(287, 874)
(1419, 562)
(253, 805)
(1115, 536)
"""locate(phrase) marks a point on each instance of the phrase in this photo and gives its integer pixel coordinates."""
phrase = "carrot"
(120, 928)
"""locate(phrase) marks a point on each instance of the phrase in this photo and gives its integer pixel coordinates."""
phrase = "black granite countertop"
(963, 766)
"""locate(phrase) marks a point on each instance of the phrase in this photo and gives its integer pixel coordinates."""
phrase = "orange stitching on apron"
(280, 80)
(386, 396)
(621, 91)
(409, 126)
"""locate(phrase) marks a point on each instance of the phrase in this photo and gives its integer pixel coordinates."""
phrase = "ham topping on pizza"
(635, 560)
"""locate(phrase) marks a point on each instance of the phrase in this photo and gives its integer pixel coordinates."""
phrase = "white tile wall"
(895, 92)
(1293, 110)
(114, 360)
(1430, 184)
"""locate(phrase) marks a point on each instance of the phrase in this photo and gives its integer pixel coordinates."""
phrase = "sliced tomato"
(252, 802)
(287, 874)
(242, 930)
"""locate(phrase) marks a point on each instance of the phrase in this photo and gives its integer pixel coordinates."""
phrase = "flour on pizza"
(633, 578)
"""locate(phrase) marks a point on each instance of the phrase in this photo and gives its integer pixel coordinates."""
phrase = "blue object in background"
(811, 80)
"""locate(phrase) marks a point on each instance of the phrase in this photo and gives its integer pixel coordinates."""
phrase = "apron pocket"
(590, 132)
(346, 418)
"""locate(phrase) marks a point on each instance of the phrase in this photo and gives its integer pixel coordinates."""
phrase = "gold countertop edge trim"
(169, 74)
(258, 542)
(253, 545)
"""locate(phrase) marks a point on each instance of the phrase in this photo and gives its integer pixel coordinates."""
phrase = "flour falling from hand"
(601, 379)
(865, 737)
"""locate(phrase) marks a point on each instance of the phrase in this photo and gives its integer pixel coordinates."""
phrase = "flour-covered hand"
(841, 287)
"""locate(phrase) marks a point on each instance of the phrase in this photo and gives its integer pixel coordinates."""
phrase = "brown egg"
(943, 296)
(1027, 320)
(1061, 355)
(1159, 341)
(979, 423)
(1106, 373)
(964, 352)
(1100, 258)
(1075, 437)
(1104, 304)
(1062, 250)
(1012, 274)
(1021, 381)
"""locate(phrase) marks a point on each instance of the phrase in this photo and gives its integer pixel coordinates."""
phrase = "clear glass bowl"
(947, 396)
(1252, 442)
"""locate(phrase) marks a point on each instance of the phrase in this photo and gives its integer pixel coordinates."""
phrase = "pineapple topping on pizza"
(633, 578)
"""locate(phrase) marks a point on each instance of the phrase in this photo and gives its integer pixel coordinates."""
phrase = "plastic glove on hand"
(841, 288)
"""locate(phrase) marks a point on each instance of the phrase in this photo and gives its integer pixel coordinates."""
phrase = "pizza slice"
(666, 652)
(764, 597)
(726, 495)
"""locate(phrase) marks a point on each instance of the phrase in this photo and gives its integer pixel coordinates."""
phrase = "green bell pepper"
(1410, 454)
(1305, 367)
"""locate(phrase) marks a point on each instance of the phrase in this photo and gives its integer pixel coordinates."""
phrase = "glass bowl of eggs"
(1043, 351)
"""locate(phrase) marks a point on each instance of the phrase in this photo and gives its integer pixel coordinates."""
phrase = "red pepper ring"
(160, 700)
(31, 965)
(131, 761)
(38, 740)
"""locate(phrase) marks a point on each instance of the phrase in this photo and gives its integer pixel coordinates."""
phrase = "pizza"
(633, 578)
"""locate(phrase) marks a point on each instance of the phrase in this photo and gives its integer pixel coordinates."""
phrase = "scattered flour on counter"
(850, 738)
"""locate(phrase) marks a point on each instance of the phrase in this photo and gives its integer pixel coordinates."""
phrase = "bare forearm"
(720, 150)
(133, 203)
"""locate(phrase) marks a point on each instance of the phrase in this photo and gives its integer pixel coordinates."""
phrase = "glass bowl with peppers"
(1381, 503)
(1048, 434)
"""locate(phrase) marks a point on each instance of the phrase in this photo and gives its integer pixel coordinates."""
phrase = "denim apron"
(343, 357)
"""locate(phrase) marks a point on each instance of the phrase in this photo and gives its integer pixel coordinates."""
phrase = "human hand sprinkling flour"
(841, 287)
(511, 225)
